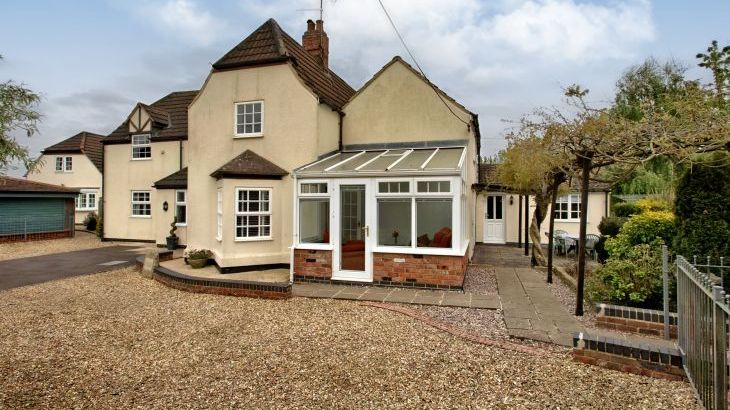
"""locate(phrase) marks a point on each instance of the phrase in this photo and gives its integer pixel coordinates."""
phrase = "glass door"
(352, 241)
(494, 219)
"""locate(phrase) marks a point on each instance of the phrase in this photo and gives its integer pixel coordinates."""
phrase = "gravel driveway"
(115, 340)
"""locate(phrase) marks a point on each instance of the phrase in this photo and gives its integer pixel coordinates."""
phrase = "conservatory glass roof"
(386, 162)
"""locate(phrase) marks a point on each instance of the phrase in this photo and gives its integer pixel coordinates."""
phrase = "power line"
(408, 50)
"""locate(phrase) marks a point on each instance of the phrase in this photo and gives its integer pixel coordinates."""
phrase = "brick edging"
(458, 332)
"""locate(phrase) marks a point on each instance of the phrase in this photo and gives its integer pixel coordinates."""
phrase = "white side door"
(494, 219)
(352, 239)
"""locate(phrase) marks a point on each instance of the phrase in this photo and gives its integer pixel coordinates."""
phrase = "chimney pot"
(315, 41)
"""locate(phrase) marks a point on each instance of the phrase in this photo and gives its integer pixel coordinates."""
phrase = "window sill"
(181, 225)
(316, 246)
(259, 135)
(141, 216)
(569, 221)
(86, 209)
(257, 239)
(418, 251)
(141, 159)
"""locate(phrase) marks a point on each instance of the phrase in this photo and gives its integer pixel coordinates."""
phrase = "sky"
(91, 61)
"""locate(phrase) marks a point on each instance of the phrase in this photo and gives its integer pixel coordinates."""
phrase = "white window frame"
(235, 120)
(86, 193)
(458, 247)
(219, 214)
(318, 246)
(394, 194)
(65, 163)
(568, 199)
(236, 214)
(133, 202)
(138, 145)
(183, 203)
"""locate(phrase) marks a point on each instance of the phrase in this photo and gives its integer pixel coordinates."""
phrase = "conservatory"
(390, 216)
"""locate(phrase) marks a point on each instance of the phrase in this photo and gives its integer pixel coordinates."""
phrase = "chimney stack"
(315, 41)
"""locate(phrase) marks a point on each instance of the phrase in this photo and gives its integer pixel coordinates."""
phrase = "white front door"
(352, 256)
(494, 219)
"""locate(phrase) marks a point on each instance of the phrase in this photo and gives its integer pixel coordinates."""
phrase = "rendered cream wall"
(124, 175)
(85, 175)
(164, 219)
(293, 122)
(398, 106)
(596, 211)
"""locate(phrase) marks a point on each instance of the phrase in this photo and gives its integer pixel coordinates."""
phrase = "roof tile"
(249, 165)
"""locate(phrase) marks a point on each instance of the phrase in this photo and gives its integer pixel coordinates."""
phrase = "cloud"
(184, 19)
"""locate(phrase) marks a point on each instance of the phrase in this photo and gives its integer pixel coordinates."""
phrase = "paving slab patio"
(530, 310)
(397, 295)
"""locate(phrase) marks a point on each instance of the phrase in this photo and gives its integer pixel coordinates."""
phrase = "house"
(278, 162)
(75, 162)
(32, 210)
(502, 212)
(145, 179)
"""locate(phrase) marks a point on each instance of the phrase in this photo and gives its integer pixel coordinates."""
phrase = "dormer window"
(141, 148)
(249, 119)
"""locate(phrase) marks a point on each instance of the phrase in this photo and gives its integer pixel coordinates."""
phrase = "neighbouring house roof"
(270, 44)
(176, 180)
(489, 178)
(12, 185)
(86, 143)
(251, 166)
(387, 162)
(169, 117)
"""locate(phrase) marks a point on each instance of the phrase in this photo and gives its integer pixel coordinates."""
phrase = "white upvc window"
(568, 208)
(420, 219)
(253, 214)
(86, 200)
(141, 204)
(141, 147)
(219, 214)
(181, 207)
(249, 119)
(314, 213)
(64, 164)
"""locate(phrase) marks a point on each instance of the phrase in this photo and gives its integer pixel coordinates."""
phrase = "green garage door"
(32, 215)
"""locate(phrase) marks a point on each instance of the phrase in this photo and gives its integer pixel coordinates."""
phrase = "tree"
(532, 166)
(717, 60)
(17, 115)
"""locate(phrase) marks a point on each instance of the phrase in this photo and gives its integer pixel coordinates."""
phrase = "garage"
(34, 210)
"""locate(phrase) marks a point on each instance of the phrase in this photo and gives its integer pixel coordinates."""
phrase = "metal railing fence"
(703, 310)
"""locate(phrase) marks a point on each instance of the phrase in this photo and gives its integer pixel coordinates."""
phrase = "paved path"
(38, 269)
(397, 295)
(530, 309)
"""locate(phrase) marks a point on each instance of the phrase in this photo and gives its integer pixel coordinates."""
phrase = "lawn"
(116, 340)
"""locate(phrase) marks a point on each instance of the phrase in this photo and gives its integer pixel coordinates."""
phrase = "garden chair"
(591, 241)
(559, 246)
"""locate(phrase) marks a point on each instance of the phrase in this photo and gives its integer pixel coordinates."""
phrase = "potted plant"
(172, 240)
(198, 258)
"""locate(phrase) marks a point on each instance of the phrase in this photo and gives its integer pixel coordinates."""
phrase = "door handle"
(366, 229)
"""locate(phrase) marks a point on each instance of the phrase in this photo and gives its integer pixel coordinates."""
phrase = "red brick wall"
(313, 263)
(635, 326)
(434, 270)
(40, 236)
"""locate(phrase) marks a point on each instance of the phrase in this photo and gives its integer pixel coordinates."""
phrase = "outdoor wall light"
(511, 200)
(164, 206)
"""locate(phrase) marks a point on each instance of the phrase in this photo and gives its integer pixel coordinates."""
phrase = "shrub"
(626, 209)
(635, 280)
(640, 229)
(90, 221)
(99, 227)
(653, 204)
(703, 211)
(611, 225)
(198, 254)
(601, 252)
